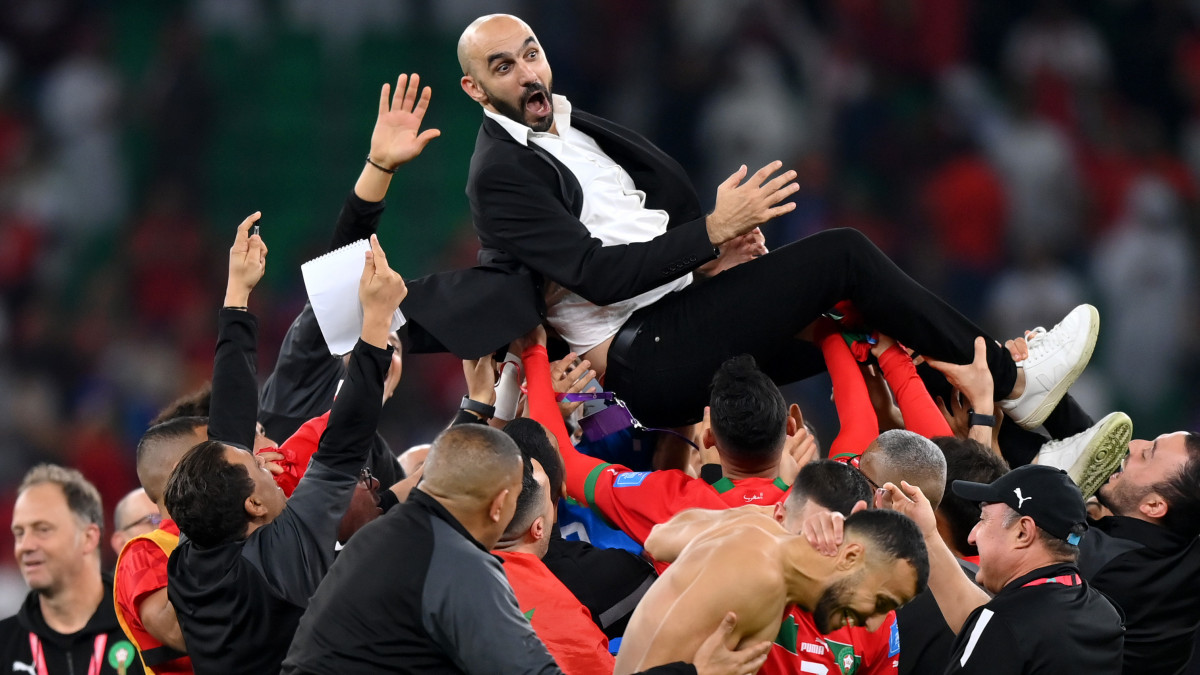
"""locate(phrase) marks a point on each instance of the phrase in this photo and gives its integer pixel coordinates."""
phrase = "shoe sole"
(1103, 455)
(1039, 414)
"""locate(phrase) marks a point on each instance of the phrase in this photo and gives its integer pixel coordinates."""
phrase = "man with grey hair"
(67, 623)
(899, 455)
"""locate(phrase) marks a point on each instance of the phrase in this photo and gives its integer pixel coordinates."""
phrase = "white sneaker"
(1056, 359)
(1091, 456)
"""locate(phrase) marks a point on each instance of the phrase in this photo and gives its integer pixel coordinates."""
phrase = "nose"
(971, 536)
(526, 73)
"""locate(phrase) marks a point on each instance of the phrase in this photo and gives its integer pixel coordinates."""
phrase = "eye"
(503, 68)
(533, 54)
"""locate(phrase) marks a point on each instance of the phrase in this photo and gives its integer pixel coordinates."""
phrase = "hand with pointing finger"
(247, 263)
(380, 290)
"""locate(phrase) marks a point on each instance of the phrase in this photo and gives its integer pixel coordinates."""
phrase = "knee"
(847, 239)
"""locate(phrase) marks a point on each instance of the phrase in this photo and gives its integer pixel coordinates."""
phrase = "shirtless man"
(746, 562)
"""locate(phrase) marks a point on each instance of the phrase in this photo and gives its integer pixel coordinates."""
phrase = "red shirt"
(562, 623)
(297, 451)
(142, 570)
(633, 501)
(800, 648)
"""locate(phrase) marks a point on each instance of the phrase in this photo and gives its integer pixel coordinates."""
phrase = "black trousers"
(663, 358)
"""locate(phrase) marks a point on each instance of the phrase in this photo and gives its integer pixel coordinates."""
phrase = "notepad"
(332, 284)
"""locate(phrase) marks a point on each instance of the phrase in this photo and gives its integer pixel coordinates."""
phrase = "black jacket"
(925, 638)
(238, 604)
(1046, 629)
(66, 654)
(1154, 576)
(525, 205)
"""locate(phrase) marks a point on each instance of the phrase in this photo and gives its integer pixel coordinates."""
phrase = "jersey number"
(815, 668)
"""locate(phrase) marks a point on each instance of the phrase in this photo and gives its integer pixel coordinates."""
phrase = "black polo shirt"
(1154, 577)
(1036, 627)
(925, 639)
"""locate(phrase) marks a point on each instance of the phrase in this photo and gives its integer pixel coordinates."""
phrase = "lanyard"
(1065, 580)
(39, 656)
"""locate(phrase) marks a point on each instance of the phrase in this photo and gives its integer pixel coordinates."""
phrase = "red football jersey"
(562, 623)
(142, 570)
(800, 648)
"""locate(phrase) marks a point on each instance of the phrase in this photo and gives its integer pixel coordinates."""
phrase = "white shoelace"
(1043, 342)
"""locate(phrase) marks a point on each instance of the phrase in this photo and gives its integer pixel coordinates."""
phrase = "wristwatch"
(974, 419)
(485, 410)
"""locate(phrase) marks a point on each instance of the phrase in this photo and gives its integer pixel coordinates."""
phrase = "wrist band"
(470, 404)
(379, 166)
(974, 419)
(240, 309)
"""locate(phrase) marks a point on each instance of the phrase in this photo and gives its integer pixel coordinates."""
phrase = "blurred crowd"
(1018, 157)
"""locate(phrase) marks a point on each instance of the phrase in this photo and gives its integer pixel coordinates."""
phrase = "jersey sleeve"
(856, 415)
(881, 654)
(633, 501)
(921, 416)
(141, 570)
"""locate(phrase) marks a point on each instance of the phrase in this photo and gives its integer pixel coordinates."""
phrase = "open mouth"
(537, 104)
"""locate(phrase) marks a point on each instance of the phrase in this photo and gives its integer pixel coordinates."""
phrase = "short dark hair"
(1181, 491)
(82, 497)
(530, 436)
(896, 535)
(968, 460)
(748, 414)
(206, 496)
(527, 500)
(194, 404)
(1055, 546)
(151, 458)
(831, 484)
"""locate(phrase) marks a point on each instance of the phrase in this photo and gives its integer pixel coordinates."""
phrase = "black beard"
(826, 612)
(517, 113)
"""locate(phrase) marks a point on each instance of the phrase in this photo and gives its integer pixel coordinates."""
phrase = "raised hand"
(380, 290)
(910, 501)
(481, 379)
(799, 447)
(571, 379)
(974, 380)
(397, 137)
(716, 657)
(743, 206)
(247, 263)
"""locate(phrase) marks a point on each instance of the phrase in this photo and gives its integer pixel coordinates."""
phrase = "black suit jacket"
(525, 205)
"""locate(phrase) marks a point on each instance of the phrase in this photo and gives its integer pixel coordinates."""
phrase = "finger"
(423, 103)
(582, 382)
(425, 136)
(860, 505)
(274, 468)
(368, 267)
(764, 173)
(727, 624)
(913, 492)
(779, 181)
(383, 98)
(560, 366)
(398, 95)
(754, 657)
(580, 371)
(410, 92)
(243, 228)
(735, 179)
(782, 209)
(980, 350)
(381, 264)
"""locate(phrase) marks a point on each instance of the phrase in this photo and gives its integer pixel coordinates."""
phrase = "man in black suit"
(590, 227)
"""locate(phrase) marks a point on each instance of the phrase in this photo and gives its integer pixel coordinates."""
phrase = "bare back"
(737, 567)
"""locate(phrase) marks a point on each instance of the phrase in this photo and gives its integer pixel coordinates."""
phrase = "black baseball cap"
(1043, 493)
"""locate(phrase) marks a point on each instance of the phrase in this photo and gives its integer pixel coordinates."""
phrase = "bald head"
(482, 31)
(903, 455)
(471, 463)
(161, 447)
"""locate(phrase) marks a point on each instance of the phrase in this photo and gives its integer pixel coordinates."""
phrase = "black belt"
(622, 342)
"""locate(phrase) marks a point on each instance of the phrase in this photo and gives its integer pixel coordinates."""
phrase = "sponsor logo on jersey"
(630, 479)
(812, 648)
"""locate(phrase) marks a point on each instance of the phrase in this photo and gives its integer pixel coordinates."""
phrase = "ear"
(91, 537)
(795, 420)
(538, 529)
(496, 509)
(1153, 506)
(472, 88)
(254, 507)
(850, 556)
(1023, 532)
(780, 513)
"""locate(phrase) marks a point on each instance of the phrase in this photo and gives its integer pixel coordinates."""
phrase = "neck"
(735, 471)
(518, 546)
(469, 515)
(802, 572)
(69, 609)
(1031, 563)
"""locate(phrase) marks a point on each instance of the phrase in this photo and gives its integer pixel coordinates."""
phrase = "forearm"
(667, 540)
(956, 595)
(921, 416)
(373, 183)
(159, 619)
(544, 408)
(347, 440)
(856, 415)
(233, 412)
(359, 217)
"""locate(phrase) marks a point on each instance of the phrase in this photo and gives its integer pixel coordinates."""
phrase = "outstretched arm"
(859, 426)
(921, 415)
(234, 409)
(956, 595)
